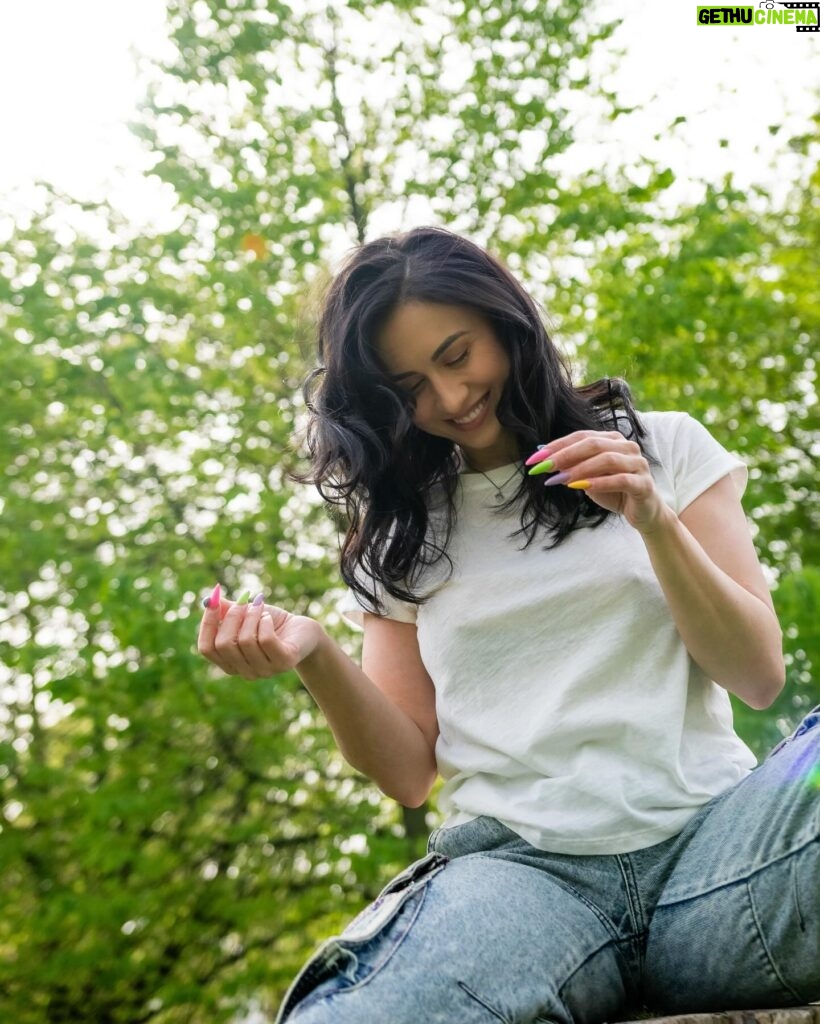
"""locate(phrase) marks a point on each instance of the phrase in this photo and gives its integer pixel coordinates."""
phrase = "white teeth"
(475, 413)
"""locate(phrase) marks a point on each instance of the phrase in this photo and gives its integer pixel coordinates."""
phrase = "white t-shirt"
(568, 707)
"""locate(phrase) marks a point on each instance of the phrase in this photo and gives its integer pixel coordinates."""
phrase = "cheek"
(502, 365)
(427, 417)
(421, 412)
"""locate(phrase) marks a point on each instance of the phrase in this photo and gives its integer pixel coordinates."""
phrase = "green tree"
(170, 836)
(174, 841)
(712, 308)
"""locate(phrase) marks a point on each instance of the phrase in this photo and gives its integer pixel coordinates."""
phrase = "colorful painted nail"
(579, 485)
(539, 456)
(213, 600)
(559, 478)
(259, 599)
(547, 466)
(243, 597)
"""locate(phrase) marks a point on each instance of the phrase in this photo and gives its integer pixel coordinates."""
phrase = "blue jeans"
(487, 928)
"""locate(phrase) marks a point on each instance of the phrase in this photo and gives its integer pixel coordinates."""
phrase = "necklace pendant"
(499, 488)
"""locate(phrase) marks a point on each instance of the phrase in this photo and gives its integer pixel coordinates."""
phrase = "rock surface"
(792, 1015)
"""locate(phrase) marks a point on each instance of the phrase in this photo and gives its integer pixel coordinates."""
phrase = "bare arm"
(384, 730)
(384, 719)
(704, 560)
(706, 564)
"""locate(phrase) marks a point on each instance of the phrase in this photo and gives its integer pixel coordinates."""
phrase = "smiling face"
(450, 360)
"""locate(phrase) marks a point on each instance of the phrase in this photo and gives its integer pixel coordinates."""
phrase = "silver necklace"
(499, 487)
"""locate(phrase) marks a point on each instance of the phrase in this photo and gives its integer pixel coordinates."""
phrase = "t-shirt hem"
(624, 842)
(713, 472)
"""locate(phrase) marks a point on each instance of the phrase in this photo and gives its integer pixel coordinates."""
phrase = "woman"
(557, 595)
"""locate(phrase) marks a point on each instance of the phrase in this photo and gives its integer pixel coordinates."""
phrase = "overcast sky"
(69, 84)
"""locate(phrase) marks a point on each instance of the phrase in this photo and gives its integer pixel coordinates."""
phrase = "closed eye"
(456, 362)
(460, 359)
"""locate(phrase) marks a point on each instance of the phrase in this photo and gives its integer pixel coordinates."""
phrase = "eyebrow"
(448, 341)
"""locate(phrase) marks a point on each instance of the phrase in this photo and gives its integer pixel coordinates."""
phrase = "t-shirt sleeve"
(694, 459)
(352, 607)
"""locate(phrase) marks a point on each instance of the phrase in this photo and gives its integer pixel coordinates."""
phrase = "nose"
(451, 397)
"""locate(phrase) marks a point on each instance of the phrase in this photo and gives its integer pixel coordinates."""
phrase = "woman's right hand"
(255, 641)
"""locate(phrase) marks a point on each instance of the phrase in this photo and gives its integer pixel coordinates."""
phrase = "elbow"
(761, 700)
(415, 793)
(415, 801)
(770, 677)
(770, 688)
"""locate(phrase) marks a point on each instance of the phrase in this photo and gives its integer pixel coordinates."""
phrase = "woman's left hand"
(613, 472)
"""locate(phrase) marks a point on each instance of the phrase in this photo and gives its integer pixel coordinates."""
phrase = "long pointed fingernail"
(243, 597)
(579, 485)
(547, 466)
(213, 600)
(559, 478)
(259, 599)
(539, 456)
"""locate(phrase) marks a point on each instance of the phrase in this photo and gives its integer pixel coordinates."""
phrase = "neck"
(487, 465)
(487, 469)
(485, 461)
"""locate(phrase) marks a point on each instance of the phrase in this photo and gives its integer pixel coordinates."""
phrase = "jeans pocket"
(810, 721)
(431, 840)
(786, 909)
(338, 955)
(373, 918)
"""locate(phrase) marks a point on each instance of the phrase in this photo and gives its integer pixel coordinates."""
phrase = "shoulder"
(670, 433)
(663, 427)
(656, 425)
(691, 457)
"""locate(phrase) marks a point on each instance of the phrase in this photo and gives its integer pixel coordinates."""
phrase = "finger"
(571, 456)
(596, 442)
(230, 656)
(248, 642)
(608, 463)
(559, 443)
(636, 486)
(210, 622)
(278, 615)
(544, 459)
(207, 643)
(617, 482)
(568, 440)
(274, 650)
(246, 633)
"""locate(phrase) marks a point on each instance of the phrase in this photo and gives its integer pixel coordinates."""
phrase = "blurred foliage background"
(174, 842)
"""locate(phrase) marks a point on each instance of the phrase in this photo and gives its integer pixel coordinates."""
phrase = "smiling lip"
(479, 419)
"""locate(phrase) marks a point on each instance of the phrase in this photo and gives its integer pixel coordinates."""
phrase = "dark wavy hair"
(366, 454)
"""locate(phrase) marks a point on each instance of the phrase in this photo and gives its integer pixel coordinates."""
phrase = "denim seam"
(610, 927)
(633, 894)
(636, 955)
(796, 897)
(583, 963)
(340, 944)
(490, 1009)
(317, 965)
(761, 936)
(393, 946)
(662, 902)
